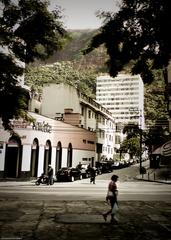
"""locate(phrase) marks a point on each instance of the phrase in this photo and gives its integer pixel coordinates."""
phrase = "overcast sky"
(80, 14)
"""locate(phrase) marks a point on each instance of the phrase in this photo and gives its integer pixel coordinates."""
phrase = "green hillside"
(70, 66)
(72, 52)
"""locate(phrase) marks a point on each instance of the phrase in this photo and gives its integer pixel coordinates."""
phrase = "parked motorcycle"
(43, 179)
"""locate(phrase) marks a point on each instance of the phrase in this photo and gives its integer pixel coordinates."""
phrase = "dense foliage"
(61, 72)
(131, 146)
(81, 71)
(155, 103)
(72, 52)
(28, 31)
(137, 35)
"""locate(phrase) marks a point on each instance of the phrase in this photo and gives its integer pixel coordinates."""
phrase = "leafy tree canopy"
(28, 31)
(61, 72)
(137, 35)
(132, 130)
(155, 103)
(131, 146)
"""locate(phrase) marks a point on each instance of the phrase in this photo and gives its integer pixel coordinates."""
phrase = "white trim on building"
(28, 152)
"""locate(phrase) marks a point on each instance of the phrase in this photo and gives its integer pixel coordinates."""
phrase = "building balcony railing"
(93, 103)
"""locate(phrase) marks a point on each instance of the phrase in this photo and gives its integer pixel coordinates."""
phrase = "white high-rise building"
(123, 96)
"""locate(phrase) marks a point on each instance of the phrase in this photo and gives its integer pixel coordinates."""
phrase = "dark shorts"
(112, 200)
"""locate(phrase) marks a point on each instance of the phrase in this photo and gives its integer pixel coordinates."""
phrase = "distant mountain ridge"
(90, 66)
(72, 51)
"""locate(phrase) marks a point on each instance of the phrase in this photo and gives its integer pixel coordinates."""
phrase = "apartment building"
(123, 96)
(66, 103)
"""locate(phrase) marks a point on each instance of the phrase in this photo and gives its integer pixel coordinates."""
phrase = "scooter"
(43, 179)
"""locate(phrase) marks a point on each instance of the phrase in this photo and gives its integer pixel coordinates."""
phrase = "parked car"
(84, 170)
(97, 171)
(68, 174)
(131, 161)
(123, 164)
(98, 167)
(107, 167)
(104, 167)
(116, 165)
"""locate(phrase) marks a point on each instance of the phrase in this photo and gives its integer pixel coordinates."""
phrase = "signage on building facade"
(38, 126)
(42, 126)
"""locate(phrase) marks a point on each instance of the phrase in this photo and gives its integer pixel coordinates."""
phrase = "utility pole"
(141, 133)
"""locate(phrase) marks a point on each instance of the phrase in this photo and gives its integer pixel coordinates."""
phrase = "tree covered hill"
(79, 40)
(71, 66)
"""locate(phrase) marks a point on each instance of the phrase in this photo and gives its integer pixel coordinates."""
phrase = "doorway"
(13, 156)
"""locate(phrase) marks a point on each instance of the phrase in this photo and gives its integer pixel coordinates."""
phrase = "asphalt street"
(58, 211)
(73, 220)
(83, 190)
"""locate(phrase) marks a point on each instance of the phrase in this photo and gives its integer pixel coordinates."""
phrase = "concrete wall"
(61, 96)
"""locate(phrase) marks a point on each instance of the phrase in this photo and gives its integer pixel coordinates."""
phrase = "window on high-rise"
(89, 113)
(82, 111)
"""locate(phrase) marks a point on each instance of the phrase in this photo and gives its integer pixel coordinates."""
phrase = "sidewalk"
(44, 220)
(160, 175)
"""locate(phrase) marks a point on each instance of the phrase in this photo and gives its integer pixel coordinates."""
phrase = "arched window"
(47, 156)
(58, 156)
(34, 158)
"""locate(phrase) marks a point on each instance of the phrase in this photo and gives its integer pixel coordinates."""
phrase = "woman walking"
(112, 199)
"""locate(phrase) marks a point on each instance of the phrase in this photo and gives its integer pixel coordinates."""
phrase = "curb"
(150, 180)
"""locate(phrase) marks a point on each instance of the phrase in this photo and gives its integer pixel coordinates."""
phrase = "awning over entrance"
(157, 151)
(166, 149)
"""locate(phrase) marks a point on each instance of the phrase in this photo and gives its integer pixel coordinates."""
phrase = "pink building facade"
(27, 153)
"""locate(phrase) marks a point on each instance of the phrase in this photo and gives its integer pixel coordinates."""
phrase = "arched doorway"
(58, 156)
(47, 156)
(34, 158)
(13, 156)
(69, 155)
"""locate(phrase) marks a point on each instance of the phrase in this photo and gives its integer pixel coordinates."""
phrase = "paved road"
(73, 220)
(74, 210)
(83, 190)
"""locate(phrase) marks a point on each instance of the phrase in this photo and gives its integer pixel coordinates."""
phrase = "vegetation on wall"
(61, 72)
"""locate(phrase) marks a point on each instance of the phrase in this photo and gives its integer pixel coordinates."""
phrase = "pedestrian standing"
(92, 175)
(50, 175)
(111, 198)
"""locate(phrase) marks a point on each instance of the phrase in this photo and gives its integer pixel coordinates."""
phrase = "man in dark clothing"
(92, 175)
(50, 175)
